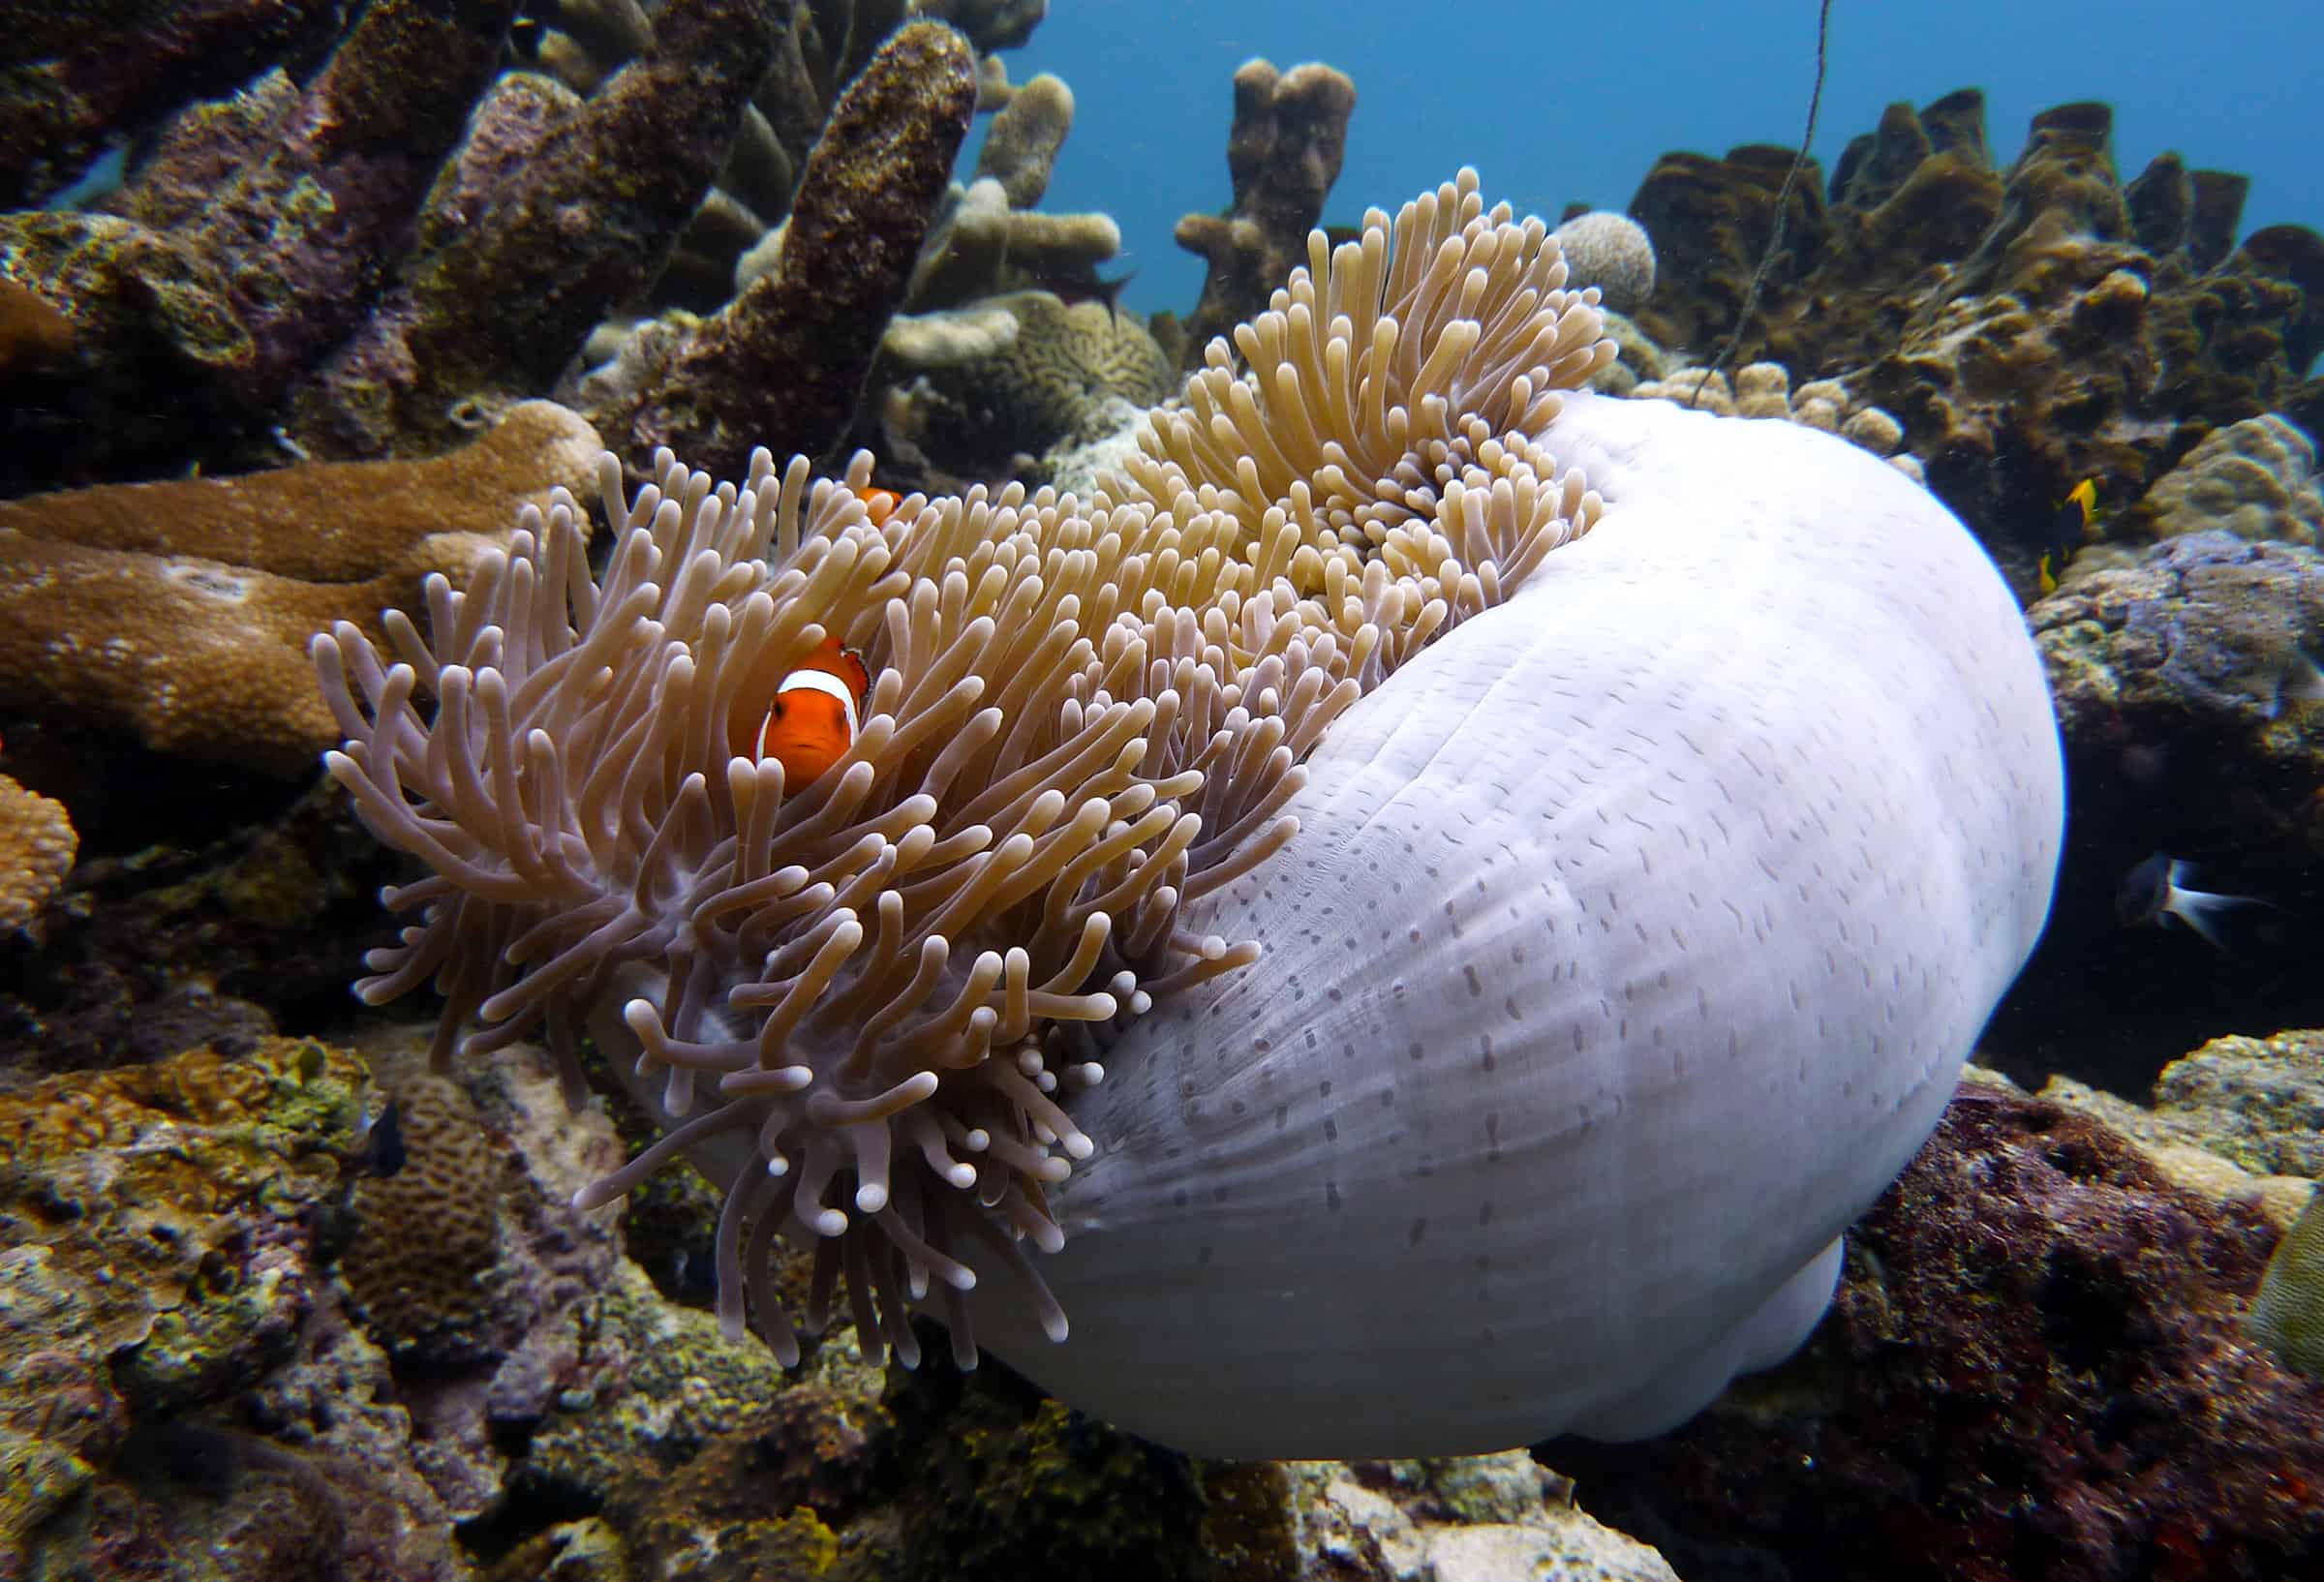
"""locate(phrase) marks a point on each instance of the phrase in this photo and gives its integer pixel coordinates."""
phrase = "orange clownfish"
(879, 504)
(816, 711)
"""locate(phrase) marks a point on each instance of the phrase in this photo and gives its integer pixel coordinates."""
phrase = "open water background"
(1556, 103)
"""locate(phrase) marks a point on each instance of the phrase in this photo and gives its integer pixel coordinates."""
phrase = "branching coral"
(865, 997)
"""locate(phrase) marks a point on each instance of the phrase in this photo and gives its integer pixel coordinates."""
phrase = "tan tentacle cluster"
(1374, 381)
(1085, 718)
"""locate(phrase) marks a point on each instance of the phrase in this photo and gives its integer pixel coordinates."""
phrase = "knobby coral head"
(868, 1001)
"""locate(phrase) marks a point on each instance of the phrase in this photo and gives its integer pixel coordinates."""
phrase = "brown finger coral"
(862, 997)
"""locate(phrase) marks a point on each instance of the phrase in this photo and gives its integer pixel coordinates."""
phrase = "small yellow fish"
(816, 710)
(2069, 530)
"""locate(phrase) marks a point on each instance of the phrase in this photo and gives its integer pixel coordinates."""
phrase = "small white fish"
(2156, 892)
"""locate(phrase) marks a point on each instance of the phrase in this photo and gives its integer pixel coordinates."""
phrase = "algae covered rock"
(157, 1250)
(2035, 1300)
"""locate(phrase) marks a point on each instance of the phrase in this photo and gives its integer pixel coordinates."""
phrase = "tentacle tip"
(1079, 1144)
(961, 1177)
(870, 1198)
(829, 1222)
(1054, 1327)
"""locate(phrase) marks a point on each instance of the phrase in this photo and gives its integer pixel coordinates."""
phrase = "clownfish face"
(814, 715)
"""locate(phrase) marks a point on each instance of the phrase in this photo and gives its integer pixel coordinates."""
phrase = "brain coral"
(1427, 956)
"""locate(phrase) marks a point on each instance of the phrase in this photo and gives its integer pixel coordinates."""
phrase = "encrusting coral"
(37, 845)
(2256, 479)
(1085, 719)
(180, 611)
(1114, 748)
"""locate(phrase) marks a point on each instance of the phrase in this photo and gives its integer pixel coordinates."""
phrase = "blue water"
(1576, 107)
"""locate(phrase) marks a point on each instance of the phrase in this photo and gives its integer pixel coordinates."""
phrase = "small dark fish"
(382, 1141)
(2069, 530)
(2155, 891)
(1073, 289)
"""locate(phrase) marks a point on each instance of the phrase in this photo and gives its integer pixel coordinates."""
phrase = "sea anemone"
(1335, 679)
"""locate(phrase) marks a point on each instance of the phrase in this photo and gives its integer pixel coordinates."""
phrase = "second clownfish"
(816, 711)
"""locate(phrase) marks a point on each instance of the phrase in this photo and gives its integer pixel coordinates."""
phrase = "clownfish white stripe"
(813, 681)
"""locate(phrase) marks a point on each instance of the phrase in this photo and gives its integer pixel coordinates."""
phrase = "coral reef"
(787, 360)
(179, 612)
(36, 843)
(2029, 327)
(1283, 154)
(1763, 389)
(853, 999)
(1460, 1519)
(299, 231)
(370, 256)
(2257, 1102)
(2256, 479)
(2287, 1312)
(587, 198)
(160, 1250)
(250, 242)
(236, 1345)
(1612, 252)
(2175, 680)
(206, 907)
(1012, 344)
(2032, 1299)
(990, 389)
(81, 80)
